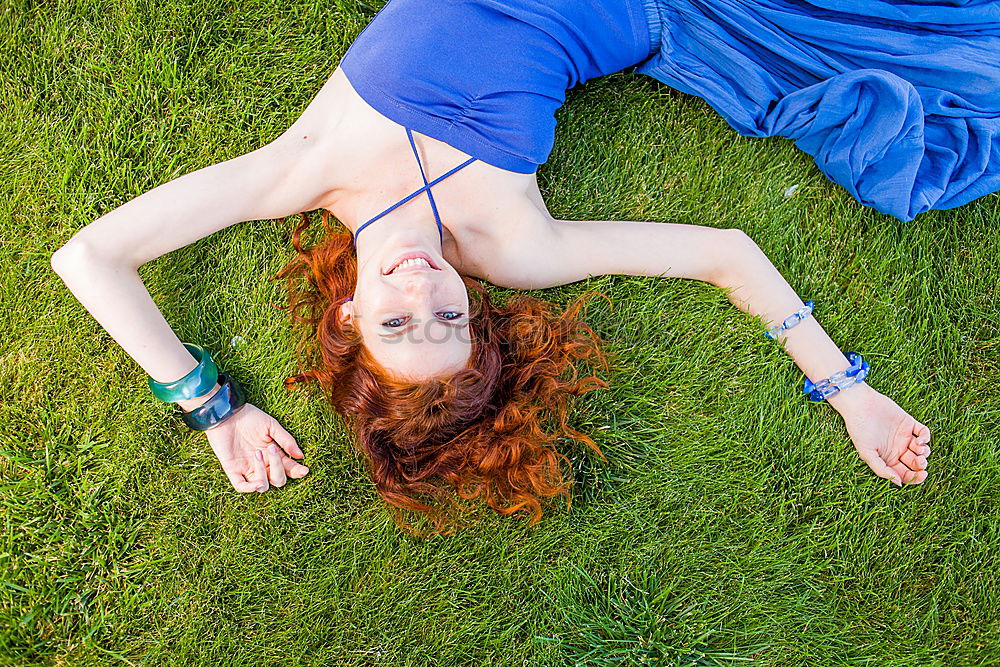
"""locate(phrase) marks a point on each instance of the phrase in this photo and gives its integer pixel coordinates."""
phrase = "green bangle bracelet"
(196, 383)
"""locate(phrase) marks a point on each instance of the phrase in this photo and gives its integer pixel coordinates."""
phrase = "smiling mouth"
(411, 261)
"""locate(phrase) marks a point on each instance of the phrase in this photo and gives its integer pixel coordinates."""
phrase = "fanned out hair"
(486, 432)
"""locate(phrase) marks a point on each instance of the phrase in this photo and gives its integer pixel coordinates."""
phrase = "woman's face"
(412, 310)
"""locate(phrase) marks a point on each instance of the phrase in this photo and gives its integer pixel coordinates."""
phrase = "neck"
(397, 230)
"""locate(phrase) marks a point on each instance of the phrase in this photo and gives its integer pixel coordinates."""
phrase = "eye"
(449, 315)
(395, 322)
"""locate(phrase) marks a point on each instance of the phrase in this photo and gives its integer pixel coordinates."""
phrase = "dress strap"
(415, 193)
(430, 195)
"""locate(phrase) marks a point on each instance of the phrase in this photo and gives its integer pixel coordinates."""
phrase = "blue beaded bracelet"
(838, 382)
(197, 383)
(222, 405)
(790, 321)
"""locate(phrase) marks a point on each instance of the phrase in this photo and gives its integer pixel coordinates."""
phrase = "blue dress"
(487, 76)
(898, 101)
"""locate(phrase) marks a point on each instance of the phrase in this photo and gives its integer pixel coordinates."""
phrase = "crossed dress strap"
(415, 193)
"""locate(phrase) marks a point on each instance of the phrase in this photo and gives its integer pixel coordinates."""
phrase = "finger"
(912, 461)
(285, 440)
(922, 433)
(879, 467)
(294, 470)
(240, 483)
(918, 449)
(891, 458)
(903, 474)
(910, 476)
(259, 473)
(275, 469)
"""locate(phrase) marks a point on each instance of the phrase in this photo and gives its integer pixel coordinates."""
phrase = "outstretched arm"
(556, 252)
(99, 265)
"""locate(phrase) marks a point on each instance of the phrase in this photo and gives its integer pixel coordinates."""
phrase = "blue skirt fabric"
(897, 100)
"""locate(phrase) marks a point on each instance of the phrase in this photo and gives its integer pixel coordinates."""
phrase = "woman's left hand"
(255, 450)
(893, 444)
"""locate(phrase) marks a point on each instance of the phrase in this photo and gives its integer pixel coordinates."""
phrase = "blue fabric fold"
(898, 101)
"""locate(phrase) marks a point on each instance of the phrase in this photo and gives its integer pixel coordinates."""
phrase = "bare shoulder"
(511, 228)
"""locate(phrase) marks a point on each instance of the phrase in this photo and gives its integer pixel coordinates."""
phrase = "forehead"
(419, 359)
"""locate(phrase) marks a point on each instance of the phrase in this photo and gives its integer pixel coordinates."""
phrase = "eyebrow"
(448, 323)
(396, 334)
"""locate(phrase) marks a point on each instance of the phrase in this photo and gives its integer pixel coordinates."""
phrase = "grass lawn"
(732, 524)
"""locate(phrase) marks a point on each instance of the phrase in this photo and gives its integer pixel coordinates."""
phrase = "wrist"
(852, 399)
(219, 407)
(193, 403)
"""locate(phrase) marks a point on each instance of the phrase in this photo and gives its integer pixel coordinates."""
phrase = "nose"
(416, 284)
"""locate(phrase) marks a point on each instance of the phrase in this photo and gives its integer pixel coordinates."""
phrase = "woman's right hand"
(254, 450)
(893, 444)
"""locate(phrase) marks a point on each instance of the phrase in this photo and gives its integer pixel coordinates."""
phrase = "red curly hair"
(485, 432)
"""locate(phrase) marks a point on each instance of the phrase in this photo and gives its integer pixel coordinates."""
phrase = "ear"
(345, 313)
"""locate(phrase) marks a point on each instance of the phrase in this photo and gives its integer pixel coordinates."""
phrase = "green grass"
(732, 524)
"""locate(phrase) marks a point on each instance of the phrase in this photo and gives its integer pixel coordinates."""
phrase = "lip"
(411, 255)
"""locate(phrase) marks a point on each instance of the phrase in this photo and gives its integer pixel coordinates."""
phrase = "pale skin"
(343, 156)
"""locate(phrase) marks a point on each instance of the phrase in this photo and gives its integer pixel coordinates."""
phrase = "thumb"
(880, 468)
(284, 440)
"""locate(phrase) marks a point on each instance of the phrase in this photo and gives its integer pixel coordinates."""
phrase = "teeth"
(419, 261)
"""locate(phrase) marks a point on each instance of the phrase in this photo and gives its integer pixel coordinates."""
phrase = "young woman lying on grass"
(443, 391)
(448, 394)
